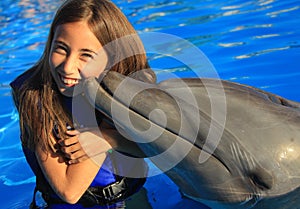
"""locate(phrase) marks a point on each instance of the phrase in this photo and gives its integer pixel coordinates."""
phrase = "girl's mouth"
(69, 82)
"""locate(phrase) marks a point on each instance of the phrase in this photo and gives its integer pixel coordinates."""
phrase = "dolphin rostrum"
(254, 159)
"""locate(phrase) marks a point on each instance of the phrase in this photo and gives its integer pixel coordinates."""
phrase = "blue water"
(252, 42)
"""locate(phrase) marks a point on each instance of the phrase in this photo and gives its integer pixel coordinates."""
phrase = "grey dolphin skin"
(255, 161)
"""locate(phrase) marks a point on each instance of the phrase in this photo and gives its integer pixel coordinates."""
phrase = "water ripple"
(276, 13)
(261, 52)
(9, 182)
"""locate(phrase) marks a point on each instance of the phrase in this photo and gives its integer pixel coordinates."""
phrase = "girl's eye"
(86, 57)
(60, 49)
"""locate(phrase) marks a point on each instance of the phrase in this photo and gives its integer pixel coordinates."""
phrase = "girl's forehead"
(77, 34)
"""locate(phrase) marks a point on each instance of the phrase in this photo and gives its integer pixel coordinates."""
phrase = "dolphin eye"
(262, 179)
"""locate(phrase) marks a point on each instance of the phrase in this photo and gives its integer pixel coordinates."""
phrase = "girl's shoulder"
(18, 82)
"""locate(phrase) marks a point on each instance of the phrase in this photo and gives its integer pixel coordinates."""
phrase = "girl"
(51, 134)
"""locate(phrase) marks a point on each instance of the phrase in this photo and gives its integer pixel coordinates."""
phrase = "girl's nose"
(71, 65)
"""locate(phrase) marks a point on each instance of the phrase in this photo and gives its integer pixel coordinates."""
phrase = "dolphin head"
(255, 157)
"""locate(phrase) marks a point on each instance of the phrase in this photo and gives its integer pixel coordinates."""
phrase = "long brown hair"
(39, 101)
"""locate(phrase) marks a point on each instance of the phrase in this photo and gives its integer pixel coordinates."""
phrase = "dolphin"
(249, 160)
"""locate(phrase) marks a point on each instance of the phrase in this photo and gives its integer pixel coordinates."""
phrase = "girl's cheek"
(54, 60)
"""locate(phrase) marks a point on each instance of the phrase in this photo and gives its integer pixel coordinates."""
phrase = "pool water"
(251, 42)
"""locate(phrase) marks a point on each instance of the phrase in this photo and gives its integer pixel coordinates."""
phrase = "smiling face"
(73, 46)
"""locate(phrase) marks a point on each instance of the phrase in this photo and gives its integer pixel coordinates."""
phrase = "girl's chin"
(71, 91)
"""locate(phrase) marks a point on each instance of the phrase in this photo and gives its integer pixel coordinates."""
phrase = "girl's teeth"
(69, 81)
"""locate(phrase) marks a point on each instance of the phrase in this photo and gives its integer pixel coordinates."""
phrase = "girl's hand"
(82, 145)
(71, 148)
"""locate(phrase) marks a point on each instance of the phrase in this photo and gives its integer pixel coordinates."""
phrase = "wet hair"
(39, 101)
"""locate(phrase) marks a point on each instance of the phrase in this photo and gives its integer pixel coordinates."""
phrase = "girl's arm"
(70, 181)
(78, 152)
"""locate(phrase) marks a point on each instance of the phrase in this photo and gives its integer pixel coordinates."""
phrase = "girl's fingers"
(73, 132)
(75, 155)
(78, 160)
(82, 145)
(70, 149)
(69, 141)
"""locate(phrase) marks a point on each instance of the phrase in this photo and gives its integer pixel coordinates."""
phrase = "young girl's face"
(73, 46)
